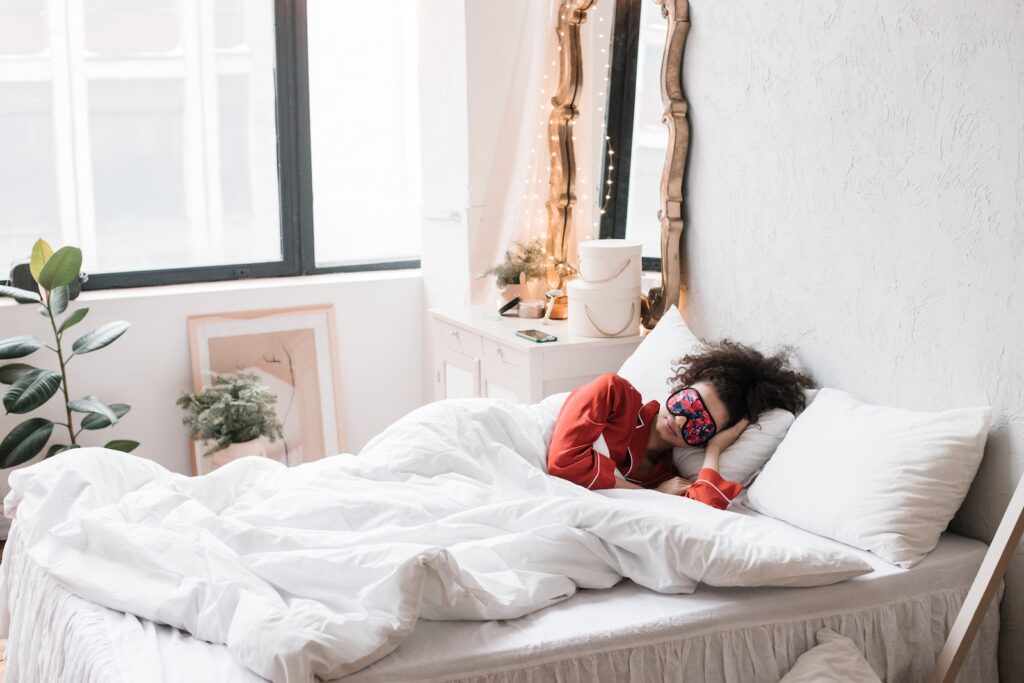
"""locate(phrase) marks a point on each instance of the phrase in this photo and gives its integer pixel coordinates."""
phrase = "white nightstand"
(476, 353)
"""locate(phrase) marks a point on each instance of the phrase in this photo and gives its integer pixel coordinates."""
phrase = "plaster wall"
(856, 190)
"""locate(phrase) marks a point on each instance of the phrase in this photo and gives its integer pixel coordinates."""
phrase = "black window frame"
(621, 97)
(295, 180)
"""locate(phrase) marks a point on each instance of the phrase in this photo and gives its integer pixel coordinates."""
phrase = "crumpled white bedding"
(325, 568)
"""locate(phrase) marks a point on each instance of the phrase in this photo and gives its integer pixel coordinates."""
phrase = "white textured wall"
(856, 189)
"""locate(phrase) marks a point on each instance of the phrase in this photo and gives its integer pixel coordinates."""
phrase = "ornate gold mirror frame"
(670, 213)
(562, 199)
(561, 203)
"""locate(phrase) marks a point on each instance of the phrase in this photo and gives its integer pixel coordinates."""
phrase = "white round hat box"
(597, 311)
(613, 263)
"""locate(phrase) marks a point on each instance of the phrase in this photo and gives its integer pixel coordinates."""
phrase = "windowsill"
(250, 285)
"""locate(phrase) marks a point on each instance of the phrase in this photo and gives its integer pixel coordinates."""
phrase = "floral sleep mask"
(700, 425)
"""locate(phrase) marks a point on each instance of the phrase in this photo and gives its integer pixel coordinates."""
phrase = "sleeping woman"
(607, 437)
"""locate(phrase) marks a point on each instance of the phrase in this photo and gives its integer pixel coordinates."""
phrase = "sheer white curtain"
(517, 186)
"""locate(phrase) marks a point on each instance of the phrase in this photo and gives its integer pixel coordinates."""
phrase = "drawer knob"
(455, 333)
(501, 352)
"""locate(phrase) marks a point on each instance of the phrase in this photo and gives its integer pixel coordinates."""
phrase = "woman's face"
(669, 426)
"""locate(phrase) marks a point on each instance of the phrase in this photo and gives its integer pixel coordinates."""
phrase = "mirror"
(650, 136)
(649, 132)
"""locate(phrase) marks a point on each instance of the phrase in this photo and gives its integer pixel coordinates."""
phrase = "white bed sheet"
(898, 617)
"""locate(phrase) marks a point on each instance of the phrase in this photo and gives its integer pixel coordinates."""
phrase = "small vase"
(238, 450)
(534, 290)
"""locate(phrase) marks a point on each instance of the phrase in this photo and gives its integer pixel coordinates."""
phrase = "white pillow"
(881, 479)
(650, 366)
(836, 659)
(745, 457)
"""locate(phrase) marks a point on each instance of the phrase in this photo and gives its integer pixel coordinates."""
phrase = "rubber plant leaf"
(100, 337)
(32, 390)
(41, 253)
(73, 319)
(25, 441)
(91, 404)
(59, 300)
(123, 445)
(19, 294)
(16, 347)
(12, 372)
(62, 269)
(95, 421)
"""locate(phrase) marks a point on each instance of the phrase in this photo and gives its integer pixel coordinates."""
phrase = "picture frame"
(294, 351)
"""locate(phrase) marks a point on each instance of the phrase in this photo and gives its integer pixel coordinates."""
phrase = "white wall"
(856, 189)
(379, 319)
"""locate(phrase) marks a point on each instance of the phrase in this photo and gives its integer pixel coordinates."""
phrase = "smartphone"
(536, 336)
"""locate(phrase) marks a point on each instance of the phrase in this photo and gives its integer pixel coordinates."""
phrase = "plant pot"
(238, 450)
(509, 292)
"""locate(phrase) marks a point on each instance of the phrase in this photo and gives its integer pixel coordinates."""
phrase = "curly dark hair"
(748, 382)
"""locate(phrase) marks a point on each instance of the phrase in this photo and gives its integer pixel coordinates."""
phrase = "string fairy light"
(536, 215)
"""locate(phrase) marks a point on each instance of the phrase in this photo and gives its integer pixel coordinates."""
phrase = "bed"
(626, 633)
(302, 572)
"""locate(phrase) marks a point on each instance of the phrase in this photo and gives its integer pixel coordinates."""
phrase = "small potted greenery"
(230, 417)
(522, 272)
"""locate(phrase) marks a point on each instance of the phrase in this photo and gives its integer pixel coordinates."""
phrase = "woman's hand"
(722, 440)
(675, 486)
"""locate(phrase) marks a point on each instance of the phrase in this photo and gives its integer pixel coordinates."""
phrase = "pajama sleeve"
(582, 419)
(712, 489)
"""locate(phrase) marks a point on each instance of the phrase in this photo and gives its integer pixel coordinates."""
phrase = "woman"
(606, 437)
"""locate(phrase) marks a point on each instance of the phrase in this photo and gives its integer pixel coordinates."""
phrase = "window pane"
(22, 27)
(137, 142)
(123, 27)
(364, 130)
(28, 194)
(151, 143)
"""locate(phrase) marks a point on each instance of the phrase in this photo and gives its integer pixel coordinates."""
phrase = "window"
(170, 139)
(365, 130)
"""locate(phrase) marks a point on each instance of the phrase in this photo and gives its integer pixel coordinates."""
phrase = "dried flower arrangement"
(523, 262)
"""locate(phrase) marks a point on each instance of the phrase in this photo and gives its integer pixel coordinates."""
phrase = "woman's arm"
(719, 442)
(584, 417)
(711, 488)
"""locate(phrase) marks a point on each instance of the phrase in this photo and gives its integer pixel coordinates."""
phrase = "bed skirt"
(763, 654)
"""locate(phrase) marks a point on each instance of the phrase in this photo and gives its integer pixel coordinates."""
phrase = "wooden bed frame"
(993, 567)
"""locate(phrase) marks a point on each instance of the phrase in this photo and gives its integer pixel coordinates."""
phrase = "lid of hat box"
(610, 247)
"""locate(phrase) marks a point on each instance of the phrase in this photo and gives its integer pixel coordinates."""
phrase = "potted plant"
(31, 387)
(522, 272)
(231, 416)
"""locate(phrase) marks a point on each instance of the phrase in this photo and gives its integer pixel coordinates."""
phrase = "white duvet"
(320, 570)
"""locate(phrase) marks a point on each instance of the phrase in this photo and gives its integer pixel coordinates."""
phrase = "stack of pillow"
(885, 480)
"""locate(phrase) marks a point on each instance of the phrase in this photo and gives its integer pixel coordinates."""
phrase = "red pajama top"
(610, 407)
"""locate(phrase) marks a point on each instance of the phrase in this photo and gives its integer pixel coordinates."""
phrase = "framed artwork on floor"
(294, 352)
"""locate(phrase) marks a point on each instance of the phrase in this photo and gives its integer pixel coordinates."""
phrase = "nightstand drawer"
(504, 358)
(458, 338)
